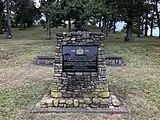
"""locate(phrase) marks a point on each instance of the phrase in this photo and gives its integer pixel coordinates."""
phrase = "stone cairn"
(79, 89)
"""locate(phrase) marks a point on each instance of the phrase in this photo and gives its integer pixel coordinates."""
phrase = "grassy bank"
(22, 83)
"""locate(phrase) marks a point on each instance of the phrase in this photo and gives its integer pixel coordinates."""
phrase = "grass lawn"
(22, 83)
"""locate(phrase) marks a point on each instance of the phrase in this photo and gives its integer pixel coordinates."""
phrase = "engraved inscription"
(80, 58)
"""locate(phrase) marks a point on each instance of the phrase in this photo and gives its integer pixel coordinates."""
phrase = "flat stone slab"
(115, 61)
(117, 110)
(44, 60)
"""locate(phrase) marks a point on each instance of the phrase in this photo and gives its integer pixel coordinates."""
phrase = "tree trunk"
(5, 23)
(106, 31)
(69, 25)
(128, 37)
(152, 24)
(157, 13)
(24, 25)
(102, 29)
(100, 23)
(21, 24)
(104, 26)
(48, 29)
(139, 27)
(114, 27)
(142, 29)
(146, 24)
(1, 25)
(9, 35)
(110, 25)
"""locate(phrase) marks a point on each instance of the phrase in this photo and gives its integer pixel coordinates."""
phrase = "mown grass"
(137, 84)
(22, 84)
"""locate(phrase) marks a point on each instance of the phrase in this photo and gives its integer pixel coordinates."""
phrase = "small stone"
(57, 75)
(64, 105)
(96, 101)
(104, 101)
(98, 87)
(42, 102)
(94, 106)
(80, 105)
(56, 94)
(105, 87)
(62, 101)
(81, 101)
(115, 101)
(54, 90)
(45, 97)
(64, 43)
(49, 102)
(105, 94)
(85, 95)
(69, 102)
(97, 90)
(111, 107)
(76, 103)
(73, 39)
(55, 102)
(61, 105)
(87, 100)
(44, 106)
(64, 33)
(84, 105)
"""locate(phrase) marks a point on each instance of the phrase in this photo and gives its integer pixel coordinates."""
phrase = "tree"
(155, 4)
(26, 13)
(68, 11)
(103, 10)
(1, 16)
(53, 13)
(152, 22)
(80, 13)
(130, 10)
(9, 34)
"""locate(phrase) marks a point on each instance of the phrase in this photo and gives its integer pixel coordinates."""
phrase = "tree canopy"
(138, 14)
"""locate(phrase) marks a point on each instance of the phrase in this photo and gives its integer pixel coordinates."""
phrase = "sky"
(120, 25)
(37, 2)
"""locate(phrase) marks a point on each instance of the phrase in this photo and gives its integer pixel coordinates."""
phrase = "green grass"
(138, 84)
(22, 84)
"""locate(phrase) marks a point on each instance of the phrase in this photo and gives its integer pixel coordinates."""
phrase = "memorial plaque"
(80, 58)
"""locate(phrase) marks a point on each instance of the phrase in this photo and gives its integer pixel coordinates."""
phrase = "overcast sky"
(37, 1)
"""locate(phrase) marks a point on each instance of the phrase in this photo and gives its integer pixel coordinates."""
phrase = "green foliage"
(26, 12)
(53, 11)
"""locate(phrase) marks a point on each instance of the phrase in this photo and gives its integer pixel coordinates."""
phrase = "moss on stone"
(55, 90)
(105, 94)
(97, 90)
(69, 102)
(76, 103)
(56, 94)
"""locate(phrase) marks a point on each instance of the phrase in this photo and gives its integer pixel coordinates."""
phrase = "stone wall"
(80, 89)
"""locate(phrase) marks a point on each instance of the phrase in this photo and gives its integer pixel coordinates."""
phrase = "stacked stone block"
(79, 89)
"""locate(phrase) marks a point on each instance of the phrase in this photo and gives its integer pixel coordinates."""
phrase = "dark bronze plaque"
(80, 58)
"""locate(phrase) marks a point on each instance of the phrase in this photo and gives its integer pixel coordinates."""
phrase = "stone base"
(111, 110)
(73, 105)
